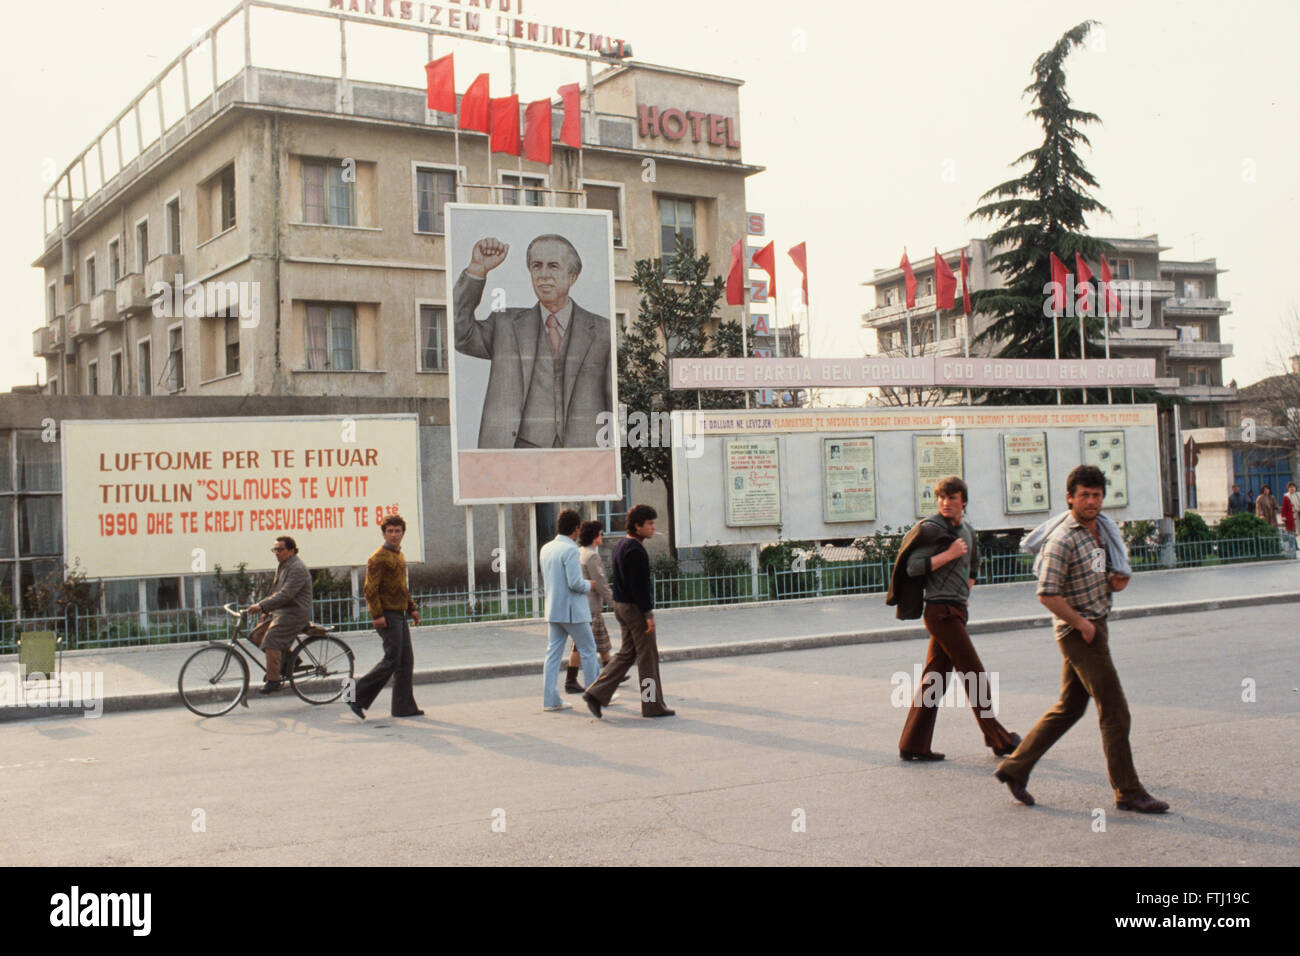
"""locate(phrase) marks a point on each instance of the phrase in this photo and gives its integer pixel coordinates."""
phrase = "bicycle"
(214, 679)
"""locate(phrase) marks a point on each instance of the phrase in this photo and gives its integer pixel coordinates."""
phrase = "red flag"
(537, 132)
(571, 129)
(765, 259)
(1111, 299)
(503, 123)
(945, 283)
(1058, 284)
(1082, 276)
(909, 280)
(736, 274)
(800, 256)
(441, 82)
(965, 292)
(474, 105)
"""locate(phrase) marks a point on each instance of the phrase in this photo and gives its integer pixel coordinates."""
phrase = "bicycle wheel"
(213, 680)
(321, 669)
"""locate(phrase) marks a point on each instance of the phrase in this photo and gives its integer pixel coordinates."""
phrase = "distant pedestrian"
(634, 608)
(943, 552)
(1266, 507)
(1238, 502)
(567, 612)
(1075, 583)
(390, 603)
(1290, 507)
(290, 599)
(590, 537)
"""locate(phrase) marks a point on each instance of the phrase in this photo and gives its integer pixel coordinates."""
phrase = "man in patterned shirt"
(1075, 584)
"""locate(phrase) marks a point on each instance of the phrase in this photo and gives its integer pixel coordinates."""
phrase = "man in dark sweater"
(949, 571)
(634, 608)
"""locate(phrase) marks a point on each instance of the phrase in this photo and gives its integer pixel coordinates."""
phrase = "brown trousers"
(1088, 671)
(640, 646)
(950, 649)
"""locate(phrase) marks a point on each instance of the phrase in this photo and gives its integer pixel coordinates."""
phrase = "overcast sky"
(857, 111)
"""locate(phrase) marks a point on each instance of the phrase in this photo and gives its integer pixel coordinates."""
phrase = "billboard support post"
(501, 553)
(142, 597)
(532, 552)
(354, 574)
(753, 569)
(469, 553)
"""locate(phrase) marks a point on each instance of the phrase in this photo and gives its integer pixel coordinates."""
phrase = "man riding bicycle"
(290, 598)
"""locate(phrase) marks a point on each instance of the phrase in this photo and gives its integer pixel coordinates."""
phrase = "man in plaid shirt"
(1075, 583)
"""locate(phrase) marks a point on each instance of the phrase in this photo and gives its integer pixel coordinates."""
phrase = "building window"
(434, 188)
(51, 303)
(531, 196)
(1193, 289)
(38, 463)
(141, 245)
(948, 327)
(115, 373)
(174, 373)
(92, 378)
(232, 345)
(891, 296)
(928, 288)
(610, 198)
(1124, 269)
(332, 337)
(174, 227)
(1196, 375)
(227, 192)
(327, 198)
(613, 514)
(89, 291)
(676, 218)
(433, 338)
(40, 526)
(114, 262)
(144, 369)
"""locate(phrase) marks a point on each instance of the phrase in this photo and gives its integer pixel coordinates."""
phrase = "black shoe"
(593, 705)
(1017, 788)
(1142, 803)
(414, 713)
(625, 680)
(271, 686)
(914, 755)
(1010, 748)
(663, 713)
(573, 687)
(356, 709)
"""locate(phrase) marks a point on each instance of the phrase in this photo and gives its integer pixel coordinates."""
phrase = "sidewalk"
(145, 677)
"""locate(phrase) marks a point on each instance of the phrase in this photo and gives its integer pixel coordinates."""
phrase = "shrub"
(726, 575)
(63, 592)
(1262, 540)
(326, 584)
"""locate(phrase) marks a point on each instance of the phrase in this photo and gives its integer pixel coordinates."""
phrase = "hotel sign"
(495, 18)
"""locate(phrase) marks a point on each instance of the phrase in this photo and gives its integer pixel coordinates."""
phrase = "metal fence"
(126, 629)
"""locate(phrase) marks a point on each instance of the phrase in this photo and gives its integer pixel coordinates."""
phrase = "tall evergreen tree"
(1039, 213)
(677, 306)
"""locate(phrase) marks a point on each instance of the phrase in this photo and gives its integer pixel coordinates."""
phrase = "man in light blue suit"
(567, 608)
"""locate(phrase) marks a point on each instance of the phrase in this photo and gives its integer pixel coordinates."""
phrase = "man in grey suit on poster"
(550, 374)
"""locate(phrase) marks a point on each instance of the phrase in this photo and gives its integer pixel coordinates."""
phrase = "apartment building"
(1183, 332)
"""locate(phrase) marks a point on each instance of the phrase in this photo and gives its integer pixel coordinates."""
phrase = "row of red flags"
(765, 259)
(499, 117)
(945, 284)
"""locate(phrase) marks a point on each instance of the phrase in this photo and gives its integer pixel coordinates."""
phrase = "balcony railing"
(130, 296)
(103, 309)
(1195, 350)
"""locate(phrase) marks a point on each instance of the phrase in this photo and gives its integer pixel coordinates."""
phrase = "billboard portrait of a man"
(550, 374)
(533, 380)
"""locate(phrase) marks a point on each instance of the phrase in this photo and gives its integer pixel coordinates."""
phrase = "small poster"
(753, 482)
(934, 457)
(848, 479)
(1106, 451)
(1024, 472)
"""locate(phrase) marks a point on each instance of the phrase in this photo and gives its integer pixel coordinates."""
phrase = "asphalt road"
(760, 745)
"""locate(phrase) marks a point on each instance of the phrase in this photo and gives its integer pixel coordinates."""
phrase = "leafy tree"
(63, 591)
(678, 300)
(1039, 213)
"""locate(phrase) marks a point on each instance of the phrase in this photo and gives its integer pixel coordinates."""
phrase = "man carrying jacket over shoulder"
(942, 555)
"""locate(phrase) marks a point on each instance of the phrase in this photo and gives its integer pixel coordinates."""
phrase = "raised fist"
(487, 255)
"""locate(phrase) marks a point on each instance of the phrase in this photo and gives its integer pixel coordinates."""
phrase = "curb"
(157, 700)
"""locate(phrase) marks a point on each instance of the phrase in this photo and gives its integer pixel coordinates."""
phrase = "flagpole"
(907, 315)
(1082, 356)
(1056, 345)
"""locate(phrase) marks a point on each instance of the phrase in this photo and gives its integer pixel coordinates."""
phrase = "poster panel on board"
(1106, 450)
(848, 479)
(753, 481)
(934, 457)
(1024, 473)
